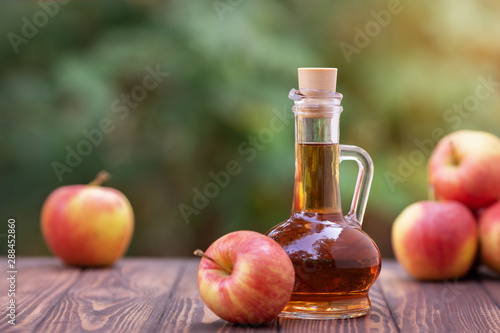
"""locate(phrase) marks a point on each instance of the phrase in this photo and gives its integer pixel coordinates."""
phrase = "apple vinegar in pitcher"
(335, 262)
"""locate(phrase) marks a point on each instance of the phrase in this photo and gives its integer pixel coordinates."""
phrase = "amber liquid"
(335, 261)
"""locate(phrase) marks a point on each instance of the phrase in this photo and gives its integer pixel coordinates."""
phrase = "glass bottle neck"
(316, 188)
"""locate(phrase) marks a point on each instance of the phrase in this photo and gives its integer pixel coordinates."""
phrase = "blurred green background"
(405, 68)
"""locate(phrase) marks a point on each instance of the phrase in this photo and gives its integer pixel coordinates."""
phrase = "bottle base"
(335, 308)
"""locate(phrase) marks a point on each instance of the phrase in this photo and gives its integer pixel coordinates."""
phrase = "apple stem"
(101, 177)
(454, 157)
(202, 254)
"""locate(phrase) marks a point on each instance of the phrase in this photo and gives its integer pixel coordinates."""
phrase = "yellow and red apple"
(489, 237)
(87, 225)
(435, 240)
(245, 277)
(465, 167)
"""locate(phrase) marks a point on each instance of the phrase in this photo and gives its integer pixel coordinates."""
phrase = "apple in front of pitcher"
(245, 277)
(465, 167)
(489, 237)
(87, 225)
(435, 240)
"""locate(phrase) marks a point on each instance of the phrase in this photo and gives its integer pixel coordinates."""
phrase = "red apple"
(489, 237)
(435, 240)
(465, 167)
(245, 277)
(87, 225)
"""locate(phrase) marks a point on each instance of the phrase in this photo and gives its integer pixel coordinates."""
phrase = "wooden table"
(160, 295)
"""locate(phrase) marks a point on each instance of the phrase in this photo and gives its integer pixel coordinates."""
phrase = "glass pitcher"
(335, 261)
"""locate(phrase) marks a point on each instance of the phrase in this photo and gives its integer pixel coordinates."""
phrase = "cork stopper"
(318, 78)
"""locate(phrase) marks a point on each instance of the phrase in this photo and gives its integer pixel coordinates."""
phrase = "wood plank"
(40, 285)
(161, 295)
(188, 312)
(490, 281)
(129, 297)
(449, 306)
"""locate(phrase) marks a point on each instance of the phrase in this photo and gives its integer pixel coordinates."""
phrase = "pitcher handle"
(364, 181)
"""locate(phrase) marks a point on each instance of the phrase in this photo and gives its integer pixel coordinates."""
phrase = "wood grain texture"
(40, 285)
(490, 281)
(129, 297)
(448, 306)
(161, 295)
